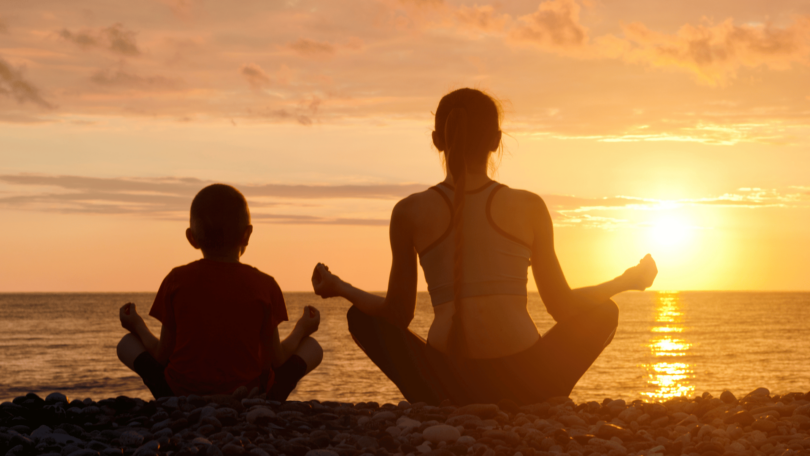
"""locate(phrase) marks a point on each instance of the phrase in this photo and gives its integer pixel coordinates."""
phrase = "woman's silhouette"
(475, 246)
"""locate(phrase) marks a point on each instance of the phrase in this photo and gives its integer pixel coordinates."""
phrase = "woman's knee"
(357, 319)
(610, 312)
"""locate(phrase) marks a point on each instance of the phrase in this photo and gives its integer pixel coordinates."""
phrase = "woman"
(475, 247)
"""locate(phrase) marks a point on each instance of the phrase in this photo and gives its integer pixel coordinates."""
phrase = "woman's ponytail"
(455, 135)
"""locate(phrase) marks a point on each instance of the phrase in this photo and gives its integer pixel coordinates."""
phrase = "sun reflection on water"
(666, 377)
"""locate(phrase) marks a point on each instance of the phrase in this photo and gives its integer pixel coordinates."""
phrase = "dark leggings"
(286, 377)
(551, 367)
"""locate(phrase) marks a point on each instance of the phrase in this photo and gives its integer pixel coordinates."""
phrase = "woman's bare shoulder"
(519, 198)
(416, 204)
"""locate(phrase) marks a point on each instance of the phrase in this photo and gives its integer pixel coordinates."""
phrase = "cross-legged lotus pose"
(475, 239)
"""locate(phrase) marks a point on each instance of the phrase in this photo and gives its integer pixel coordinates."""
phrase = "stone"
(441, 433)
(384, 416)
(466, 440)
(507, 436)
(480, 410)
(630, 414)
(367, 442)
(227, 416)
(760, 392)
(764, 425)
(56, 397)
(743, 418)
(571, 420)
(258, 452)
(660, 422)
(230, 449)
(728, 397)
(84, 452)
(259, 415)
(404, 422)
(607, 431)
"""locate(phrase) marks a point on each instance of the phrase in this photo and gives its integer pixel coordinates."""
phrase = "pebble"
(441, 433)
(248, 424)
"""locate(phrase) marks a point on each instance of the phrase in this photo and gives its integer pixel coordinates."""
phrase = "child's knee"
(311, 351)
(124, 346)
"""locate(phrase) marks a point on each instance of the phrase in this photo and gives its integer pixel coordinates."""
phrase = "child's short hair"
(219, 216)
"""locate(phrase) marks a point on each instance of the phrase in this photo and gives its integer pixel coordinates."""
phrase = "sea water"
(667, 344)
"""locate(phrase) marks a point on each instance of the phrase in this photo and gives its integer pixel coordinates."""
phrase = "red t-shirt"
(219, 310)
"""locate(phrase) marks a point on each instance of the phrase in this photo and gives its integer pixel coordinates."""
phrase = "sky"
(678, 129)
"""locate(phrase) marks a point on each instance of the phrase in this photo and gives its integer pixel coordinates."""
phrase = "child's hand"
(310, 321)
(129, 317)
(324, 282)
(642, 275)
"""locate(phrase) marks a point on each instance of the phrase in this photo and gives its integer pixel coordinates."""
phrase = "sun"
(668, 232)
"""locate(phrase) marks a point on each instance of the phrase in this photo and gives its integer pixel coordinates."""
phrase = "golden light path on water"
(668, 375)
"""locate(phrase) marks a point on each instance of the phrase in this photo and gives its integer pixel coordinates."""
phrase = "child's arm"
(160, 349)
(304, 327)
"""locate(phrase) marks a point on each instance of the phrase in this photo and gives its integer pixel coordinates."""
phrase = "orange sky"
(675, 128)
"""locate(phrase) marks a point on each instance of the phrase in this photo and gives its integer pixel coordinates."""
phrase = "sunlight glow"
(668, 379)
(670, 231)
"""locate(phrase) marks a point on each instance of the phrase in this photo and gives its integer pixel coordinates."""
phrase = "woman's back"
(498, 236)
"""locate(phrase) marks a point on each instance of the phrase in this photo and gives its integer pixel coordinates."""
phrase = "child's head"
(220, 221)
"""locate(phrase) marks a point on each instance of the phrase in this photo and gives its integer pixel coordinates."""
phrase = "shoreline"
(245, 423)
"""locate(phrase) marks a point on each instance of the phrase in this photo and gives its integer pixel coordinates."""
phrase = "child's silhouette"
(220, 317)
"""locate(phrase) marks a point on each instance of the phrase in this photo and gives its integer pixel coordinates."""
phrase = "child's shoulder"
(256, 274)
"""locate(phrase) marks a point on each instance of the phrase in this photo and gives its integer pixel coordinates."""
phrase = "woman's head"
(468, 129)
(468, 121)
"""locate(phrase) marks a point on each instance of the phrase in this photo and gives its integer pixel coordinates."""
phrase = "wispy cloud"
(170, 198)
(120, 78)
(14, 85)
(255, 75)
(115, 38)
(312, 48)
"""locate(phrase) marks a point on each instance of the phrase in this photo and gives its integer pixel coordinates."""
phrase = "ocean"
(667, 344)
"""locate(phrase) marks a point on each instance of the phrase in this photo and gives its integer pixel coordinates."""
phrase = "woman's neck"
(474, 179)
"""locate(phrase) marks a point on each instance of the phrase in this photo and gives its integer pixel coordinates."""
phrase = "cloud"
(713, 53)
(555, 24)
(310, 48)
(483, 18)
(115, 38)
(170, 198)
(14, 85)
(304, 113)
(3, 26)
(255, 75)
(123, 79)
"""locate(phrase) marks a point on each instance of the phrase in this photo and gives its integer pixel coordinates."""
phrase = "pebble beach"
(246, 424)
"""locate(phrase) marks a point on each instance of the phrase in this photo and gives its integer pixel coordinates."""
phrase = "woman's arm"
(399, 303)
(561, 301)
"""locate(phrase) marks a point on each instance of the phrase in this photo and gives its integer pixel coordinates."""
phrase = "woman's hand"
(325, 284)
(129, 317)
(640, 276)
(309, 322)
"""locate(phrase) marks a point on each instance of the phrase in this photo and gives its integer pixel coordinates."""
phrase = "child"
(220, 317)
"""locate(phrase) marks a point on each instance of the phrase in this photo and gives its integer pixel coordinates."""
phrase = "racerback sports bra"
(495, 262)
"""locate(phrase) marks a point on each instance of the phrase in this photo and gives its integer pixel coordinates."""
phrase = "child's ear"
(246, 235)
(191, 239)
